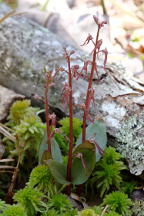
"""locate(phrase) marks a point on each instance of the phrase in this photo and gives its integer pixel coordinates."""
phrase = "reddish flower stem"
(88, 96)
(47, 115)
(69, 166)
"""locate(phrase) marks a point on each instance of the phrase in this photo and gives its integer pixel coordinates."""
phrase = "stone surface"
(26, 48)
(7, 97)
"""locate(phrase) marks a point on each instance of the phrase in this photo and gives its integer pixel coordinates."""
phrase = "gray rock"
(7, 97)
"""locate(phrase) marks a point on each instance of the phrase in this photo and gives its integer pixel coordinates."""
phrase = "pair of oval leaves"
(85, 155)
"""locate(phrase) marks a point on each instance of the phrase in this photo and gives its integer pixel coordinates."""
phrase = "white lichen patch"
(112, 122)
(113, 109)
(131, 142)
(76, 96)
(8, 62)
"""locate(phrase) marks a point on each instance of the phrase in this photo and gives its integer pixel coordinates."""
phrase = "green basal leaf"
(43, 148)
(85, 145)
(56, 152)
(45, 157)
(83, 162)
(58, 171)
(96, 131)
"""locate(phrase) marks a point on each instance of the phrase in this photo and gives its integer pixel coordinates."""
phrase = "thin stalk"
(69, 166)
(13, 182)
(47, 117)
(87, 101)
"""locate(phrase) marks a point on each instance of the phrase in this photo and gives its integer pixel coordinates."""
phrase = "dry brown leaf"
(6, 160)
(6, 133)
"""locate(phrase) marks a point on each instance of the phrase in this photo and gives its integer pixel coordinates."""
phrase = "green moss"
(87, 212)
(77, 123)
(112, 213)
(27, 127)
(108, 171)
(30, 132)
(30, 199)
(63, 137)
(14, 210)
(40, 176)
(60, 203)
(118, 202)
(17, 111)
(51, 212)
(3, 206)
(42, 179)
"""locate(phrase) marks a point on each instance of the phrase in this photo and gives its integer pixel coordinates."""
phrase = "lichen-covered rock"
(25, 49)
(138, 208)
(131, 142)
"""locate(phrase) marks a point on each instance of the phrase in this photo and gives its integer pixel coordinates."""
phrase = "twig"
(104, 210)
(6, 160)
(5, 132)
(6, 167)
(13, 182)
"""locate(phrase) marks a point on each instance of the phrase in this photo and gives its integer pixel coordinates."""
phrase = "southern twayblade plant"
(90, 91)
(89, 146)
(50, 118)
(69, 93)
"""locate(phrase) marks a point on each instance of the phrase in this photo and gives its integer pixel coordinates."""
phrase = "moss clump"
(87, 212)
(30, 199)
(40, 177)
(118, 202)
(108, 171)
(14, 210)
(60, 203)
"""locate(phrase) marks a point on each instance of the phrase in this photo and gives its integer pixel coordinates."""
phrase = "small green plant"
(118, 202)
(63, 143)
(31, 200)
(42, 179)
(128, 187)
(27, 128)
(65, 127)
(62, 137)
(51, 212)
(28, 131)
(97, 209)
(112, 213)
(14, 210)
(60, 203)
(87, 212)
(108, 171)
(18, 111)
(3, 206)
(72, 212)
